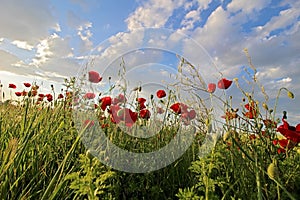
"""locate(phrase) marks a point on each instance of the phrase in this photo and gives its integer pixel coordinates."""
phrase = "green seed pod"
(290, 94)
(265, 106)
(272, 171)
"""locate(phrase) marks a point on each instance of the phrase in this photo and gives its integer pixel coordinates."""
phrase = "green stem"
(258, 183)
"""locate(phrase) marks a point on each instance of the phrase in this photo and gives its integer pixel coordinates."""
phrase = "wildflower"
(141, 102)
(18, 94)
(89, 95)
(211, 87)
(290, 132)
(32, 93)
(159, 110)
(192, 114)
(113, 110)
(280, 150)
(119, 99)
(27, 84)
(24, 93)
(252, 110)
(94, 77)
(145, 114)
(41, 95)
(35, 87)
(13, 86)
(128, 116)
(224, 83)
(160, 93)
(176, 108)
(49, 97)
(230, 115)
(60, 96)
(105, 101)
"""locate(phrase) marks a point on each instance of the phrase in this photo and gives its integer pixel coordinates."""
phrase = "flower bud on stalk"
(272, 170)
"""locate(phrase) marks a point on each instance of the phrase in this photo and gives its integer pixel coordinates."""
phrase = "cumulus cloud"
(153, 13)
(26, 20)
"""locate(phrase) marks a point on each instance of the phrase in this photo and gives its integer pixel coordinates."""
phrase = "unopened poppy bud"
(290, 94)
(226, 135)
(272, 171)
(265, 106)
(235, 79)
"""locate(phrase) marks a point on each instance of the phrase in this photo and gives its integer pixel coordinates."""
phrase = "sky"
(48, 41)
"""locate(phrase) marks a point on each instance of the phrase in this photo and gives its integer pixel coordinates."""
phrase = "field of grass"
(42, 155)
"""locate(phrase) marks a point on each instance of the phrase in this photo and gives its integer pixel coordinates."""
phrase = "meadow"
(42, 155)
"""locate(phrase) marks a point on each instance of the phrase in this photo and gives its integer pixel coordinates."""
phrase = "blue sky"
(46, 41)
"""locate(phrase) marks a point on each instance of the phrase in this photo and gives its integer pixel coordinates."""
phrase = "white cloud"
(25, 20)
(153, 13)
(248, 7)
(22, 45)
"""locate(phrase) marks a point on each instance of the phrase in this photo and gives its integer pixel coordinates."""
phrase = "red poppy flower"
(192, 114)
(224, 83)
(49, 97)
(60, 96)
(41, 95)
(94, 77)
(40, 99)
(290, 132)
(113, 110)
(252, 110)
(161, 94)
(128, 116)
(145, 114)
(35, 87)
(159, 110)
(285, 143)
(141, 102)
(33, 93)
(176, 108)
(24, 93)
(230, 115)
(27, 84)
(211, 87)
(89, 95)
(280, 150)
(119, 99)
(13, 86)
(184, 108)
(129, 121)
(18, 94)
(105, 101)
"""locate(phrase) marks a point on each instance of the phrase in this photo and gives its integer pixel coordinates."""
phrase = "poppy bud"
(273, 170)
(265, 106)
(290, 94)
(226, 136)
